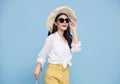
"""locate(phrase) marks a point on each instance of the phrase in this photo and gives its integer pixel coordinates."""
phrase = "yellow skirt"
(56, 74)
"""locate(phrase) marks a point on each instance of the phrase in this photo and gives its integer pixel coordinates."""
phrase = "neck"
(60, 33)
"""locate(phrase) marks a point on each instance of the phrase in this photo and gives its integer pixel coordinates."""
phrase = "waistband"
(59, 66)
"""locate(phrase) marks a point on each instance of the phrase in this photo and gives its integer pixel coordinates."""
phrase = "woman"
(58, 46)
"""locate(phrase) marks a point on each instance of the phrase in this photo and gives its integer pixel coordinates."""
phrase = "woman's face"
(62, 22)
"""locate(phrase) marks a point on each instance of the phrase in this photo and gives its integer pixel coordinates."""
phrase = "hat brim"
(53, 14)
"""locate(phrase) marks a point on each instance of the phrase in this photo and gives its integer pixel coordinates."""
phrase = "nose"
(65, 22)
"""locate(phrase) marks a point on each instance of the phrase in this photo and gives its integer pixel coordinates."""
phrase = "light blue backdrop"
(23, 31)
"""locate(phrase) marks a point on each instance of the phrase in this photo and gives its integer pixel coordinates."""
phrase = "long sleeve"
(45, 50)
(75, 47)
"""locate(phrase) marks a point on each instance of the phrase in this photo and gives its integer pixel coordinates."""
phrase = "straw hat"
(54, 13)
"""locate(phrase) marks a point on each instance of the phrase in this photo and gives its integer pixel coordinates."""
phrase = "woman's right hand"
(37, 70)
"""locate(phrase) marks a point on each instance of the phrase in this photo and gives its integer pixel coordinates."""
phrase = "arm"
(37, 70)
(75, 36)
(75, 43)
(42, 56)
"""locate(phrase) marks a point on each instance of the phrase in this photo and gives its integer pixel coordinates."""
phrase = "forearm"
(37, 70)
(75, 36)
(39, 64)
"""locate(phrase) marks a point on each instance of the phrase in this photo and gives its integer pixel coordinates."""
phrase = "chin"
(64, 28)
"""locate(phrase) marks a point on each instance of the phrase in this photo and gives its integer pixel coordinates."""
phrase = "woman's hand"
(37, 70)
(73, 25)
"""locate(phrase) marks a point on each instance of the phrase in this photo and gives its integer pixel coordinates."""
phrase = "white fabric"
(57, 51)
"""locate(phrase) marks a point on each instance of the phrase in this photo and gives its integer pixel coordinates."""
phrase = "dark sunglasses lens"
(61, 20)
(67, 20)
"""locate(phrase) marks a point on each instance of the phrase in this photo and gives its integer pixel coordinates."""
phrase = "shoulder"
(50, 37)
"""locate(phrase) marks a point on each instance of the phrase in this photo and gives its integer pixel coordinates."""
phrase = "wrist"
(38, 65)
(74, 31)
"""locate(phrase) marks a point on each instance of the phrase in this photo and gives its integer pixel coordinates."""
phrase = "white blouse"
(57, 51)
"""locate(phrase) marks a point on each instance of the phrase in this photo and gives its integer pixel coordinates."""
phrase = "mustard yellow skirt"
(56, 74)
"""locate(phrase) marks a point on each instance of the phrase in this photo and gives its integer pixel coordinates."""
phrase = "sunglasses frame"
(61, 20)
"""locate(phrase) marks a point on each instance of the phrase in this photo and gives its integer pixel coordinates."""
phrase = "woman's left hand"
(73, 25)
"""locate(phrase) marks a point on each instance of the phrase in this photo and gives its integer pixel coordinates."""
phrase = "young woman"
(58, 46)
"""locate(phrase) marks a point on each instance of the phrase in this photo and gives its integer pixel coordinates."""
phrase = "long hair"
(67, 35)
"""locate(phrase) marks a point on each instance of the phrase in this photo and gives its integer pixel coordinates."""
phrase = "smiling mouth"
(64, 25)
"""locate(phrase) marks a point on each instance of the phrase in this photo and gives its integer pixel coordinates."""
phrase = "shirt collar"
(57, 35)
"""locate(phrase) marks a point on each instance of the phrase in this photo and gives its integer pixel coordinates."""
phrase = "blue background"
(23, 31)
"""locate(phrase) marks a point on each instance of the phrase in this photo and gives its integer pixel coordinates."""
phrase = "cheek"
(59, 25)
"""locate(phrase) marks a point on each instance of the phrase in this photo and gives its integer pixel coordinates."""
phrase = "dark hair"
(66, 34)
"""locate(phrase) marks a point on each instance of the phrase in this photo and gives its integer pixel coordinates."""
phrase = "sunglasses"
(61, 20)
